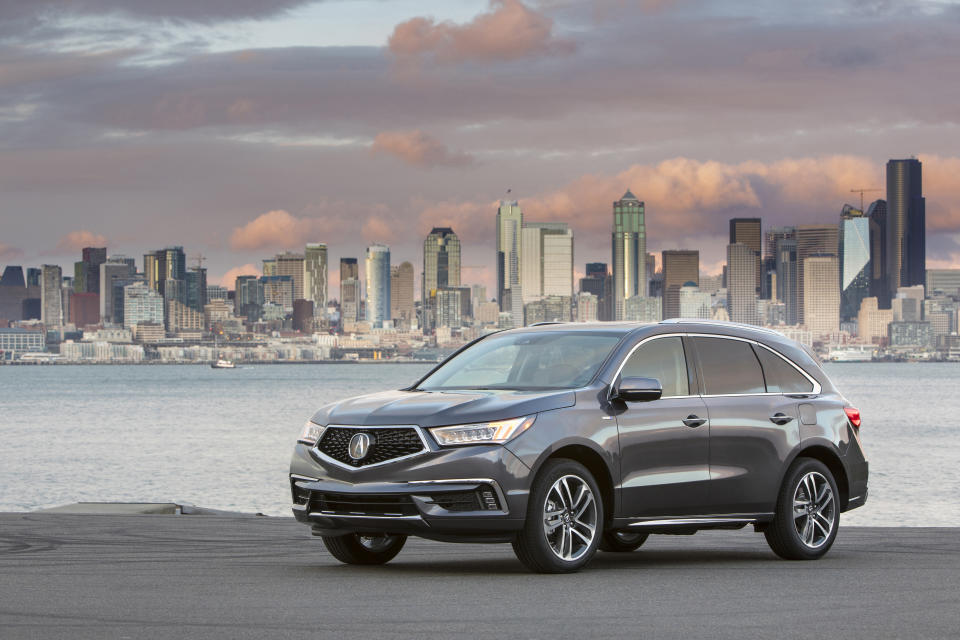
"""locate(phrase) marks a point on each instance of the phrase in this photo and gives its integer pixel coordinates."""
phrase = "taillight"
(853, 415)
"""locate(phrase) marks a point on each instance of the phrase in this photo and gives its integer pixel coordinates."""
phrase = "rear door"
(753, 425)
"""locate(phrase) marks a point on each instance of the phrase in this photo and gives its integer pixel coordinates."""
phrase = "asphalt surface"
(167, 576)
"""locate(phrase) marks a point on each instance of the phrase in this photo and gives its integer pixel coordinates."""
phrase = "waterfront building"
(402, 309)
(680, 268)
(643, 309)
(378, 285)
(149, 332)
(181, 317)
(820, 239)
(292, 265)
(911, 335)
(873, 322)
(509, 284)
(856, 269)
(586, 307)
(629, 253)
(906, 224)
(946, 281)
(747, 231)
(51, 295)
(822, 294)
(141, 305)
(880, 282)
(315, 275)
(742, 283)
(14, 342)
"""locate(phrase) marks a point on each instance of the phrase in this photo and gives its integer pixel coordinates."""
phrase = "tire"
(564, 519)
(355, 548)
(622, 541)
(802, 530)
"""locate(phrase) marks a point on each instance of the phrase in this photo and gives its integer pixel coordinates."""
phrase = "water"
(222, 438)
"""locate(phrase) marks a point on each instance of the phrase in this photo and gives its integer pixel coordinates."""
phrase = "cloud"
(205, 11)
(77, 240)
(419, 149)
(9, 253)
(509, 31)
(378, 229)
(274, 229)
(230, 277)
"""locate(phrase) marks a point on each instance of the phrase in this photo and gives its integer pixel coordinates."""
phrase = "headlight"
(482, 433)
(311, 433)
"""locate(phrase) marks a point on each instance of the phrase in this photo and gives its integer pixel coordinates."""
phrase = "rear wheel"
(358, 548)
(622, 541)
(808, 512)
(564, 519)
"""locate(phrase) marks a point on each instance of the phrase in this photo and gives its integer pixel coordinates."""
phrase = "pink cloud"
(230, 277)
(77, 240)
(419, 149)
(279, 229)
(509, 31)
(378, 229)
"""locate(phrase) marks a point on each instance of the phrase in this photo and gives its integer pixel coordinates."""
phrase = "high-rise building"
(141, 305)
(269, 267)
(110, 273)
(303, 315)
(86, 273)
(742, 283)
(821, 294)
(509, 285)
(315, 276)
(946, 281)
(349, 269)
(378, 285)
(856, 270)
(547, 264)
(680, 268)
(292, 265)
(33, 276)
(748, 231)
(873, 322)
(771, 287)
(449, 305)
(586, 307)
(880, 282)
(787, 279)
(51, 295)
(84, 309)
(694, 303)
(599, 282)
(196, 288)
(441, 260)
(248, 297)
(350, 298)
(279, 291)
(151, 270)
(401, 295)
(629, 252)
(822, 239)
(906, 224)
(12, 277)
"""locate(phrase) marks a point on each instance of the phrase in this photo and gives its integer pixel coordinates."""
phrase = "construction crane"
(861, 192)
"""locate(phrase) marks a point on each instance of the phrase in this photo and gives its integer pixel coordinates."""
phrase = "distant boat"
(223, 364)
(852, 354)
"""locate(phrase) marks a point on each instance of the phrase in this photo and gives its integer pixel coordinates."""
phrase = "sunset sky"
(241, 128)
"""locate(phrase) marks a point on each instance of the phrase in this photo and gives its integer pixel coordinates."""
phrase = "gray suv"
(563, 439)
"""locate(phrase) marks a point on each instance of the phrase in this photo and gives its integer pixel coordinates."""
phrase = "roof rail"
(540, 324)
(720, 323)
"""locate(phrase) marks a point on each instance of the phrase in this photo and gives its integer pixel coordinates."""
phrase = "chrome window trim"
(817, 388)
(315, 449)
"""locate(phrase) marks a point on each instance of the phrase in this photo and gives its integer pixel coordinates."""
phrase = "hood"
(439, 408)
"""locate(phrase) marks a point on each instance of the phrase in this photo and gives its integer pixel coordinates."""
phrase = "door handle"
(780, 418)
(694, 420)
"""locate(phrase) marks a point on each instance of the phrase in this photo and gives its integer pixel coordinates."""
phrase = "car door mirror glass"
(639, 389)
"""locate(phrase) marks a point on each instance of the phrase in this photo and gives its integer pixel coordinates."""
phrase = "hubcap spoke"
(570, 517)
(814, 509)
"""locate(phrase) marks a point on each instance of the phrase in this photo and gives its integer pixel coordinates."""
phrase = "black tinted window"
(781, 376)
(729, 366)
(662, 359)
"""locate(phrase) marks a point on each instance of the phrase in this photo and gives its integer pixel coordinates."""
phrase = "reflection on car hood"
(438, 408)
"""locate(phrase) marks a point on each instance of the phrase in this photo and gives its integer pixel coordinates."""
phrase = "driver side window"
(663, 359)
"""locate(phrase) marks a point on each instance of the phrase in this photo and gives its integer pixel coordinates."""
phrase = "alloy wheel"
(376, 543)
(814, 510)
(570, 517)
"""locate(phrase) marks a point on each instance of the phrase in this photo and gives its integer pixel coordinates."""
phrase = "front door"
(664, 444)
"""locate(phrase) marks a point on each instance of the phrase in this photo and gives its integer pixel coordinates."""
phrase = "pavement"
(218, 576)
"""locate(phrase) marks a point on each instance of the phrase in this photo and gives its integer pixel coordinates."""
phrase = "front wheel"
(564, 519)
(357, 548)
(808, 512)
(622, 541)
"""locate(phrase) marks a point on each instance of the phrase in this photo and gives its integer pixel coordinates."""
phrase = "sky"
(241, 128)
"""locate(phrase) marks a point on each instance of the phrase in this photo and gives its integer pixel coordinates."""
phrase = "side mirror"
(638, 390)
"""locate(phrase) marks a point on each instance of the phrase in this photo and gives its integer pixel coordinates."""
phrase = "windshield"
(525, 361)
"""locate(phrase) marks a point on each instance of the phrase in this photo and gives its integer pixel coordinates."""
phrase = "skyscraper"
(51, 295)
(111, 272)
(680, 267)
(378, 284)
(141, 305)
(349, 269)
(509, 287)
(629, 252)
(748, 231)
(906, 224)
(813, 239)
(856, 270)
(742, 283)
(547, 264)
(821, 294)
(786, 267)
(292, 264)
(401, 295)
(441, 260)
(315, 276)
(151, 270)
(879, 283)
(350, 298)
(196, 288)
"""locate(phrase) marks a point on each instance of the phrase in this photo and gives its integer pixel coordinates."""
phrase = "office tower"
(350, 297)
(315, 275)
(110, 273)
(547, 260)
(880, 282)
(303, 312)
(13, 277)
(196, 288)
(292, 265)
(51, 295)
(680, 267)
(248, 297)
(856, 270)
(787, 279)
(349, 269)
(771, 287)
(378, 285)
(873, 322)
(141, 305)
(79, 277)
(84, 309)
(269, 267)
(441, 260)
(821, 294)
(946, 281)
(151, 270)
(747, 231)
(654, 286)
(449, 307)
(599, 282)
(586, 307)
(907, 305)
(172, 263)
(93, 257)
(643, 309)
(742, 283)
(401, 295)
(33, 276)
(813, 239)
(478, 295)
(694, 303)
(216, 292)
(279, 291)
(906, 224)
(509, 285)
(629, 253)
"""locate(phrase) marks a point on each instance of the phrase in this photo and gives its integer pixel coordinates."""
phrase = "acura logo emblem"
(359, 446)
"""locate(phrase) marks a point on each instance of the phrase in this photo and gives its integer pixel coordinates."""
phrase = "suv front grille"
(386, 444)
(363, 504)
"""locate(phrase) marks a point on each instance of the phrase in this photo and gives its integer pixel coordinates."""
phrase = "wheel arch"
(833, 462)
(595, 464)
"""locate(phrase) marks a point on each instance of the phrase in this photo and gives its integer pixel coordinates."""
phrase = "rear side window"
(663, 359)
(781, 376)
(729, 366)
